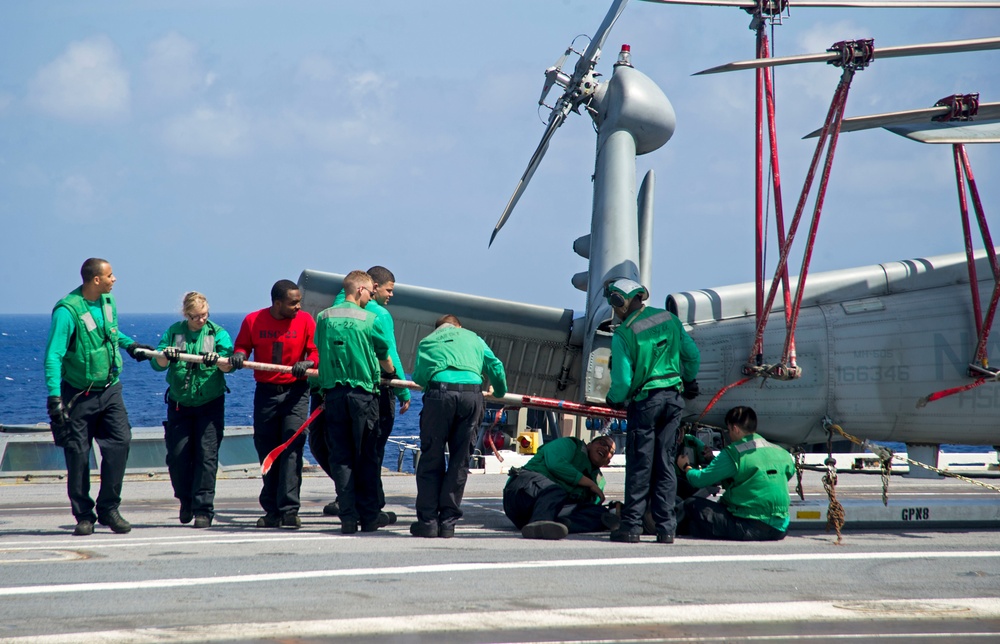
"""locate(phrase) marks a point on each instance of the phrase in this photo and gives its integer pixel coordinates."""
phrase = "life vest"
(92, 358)
(193, 384)
(347, 356)
(654, 336)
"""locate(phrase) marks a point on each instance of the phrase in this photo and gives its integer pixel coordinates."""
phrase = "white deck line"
(148, 584)
(931, 610)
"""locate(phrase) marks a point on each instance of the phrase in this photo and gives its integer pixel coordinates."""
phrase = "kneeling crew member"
(564, 471)
(755, 473)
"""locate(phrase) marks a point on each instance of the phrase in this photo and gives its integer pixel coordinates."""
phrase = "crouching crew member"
(755, 474)
(196, 407)
(652, 360)
(449, 367)
(352, 346)
(82, 364)
(281, 334)
(563, 472)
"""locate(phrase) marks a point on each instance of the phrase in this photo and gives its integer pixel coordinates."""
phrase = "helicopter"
(888, 350)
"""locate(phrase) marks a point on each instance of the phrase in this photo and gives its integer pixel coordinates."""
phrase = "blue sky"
(220, 146)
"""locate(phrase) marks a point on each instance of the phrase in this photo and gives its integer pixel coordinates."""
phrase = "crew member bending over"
(449, 366)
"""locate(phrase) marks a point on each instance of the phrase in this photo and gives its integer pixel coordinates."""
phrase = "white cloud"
(86, 83)
(172, 69)
(210, 132)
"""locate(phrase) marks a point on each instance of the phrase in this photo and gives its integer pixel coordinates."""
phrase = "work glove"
(691, 390)
(210, 359)
(236, 361)
(130, 350)
(299, 368)
(57, 411)
(614, 405)
(59, 416)
(172, 354)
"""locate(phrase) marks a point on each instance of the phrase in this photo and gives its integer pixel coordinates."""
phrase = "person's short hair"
(279, 292)
(448, 318)
(743, 417)
(381, 275)
(92, 268)
(355, 280)
(193, 300)
(604, 438)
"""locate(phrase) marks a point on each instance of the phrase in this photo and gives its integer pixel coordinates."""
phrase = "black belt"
(280, 389)
(451, 386)
(93, 387)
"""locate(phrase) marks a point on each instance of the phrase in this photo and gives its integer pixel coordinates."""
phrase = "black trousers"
(650, 478)
(317, 434)
(278, 411)
(193, 436)
(96, 415)
(704, 519)
(386, 419)
(530, 496)
(351, 437)
(447, 419)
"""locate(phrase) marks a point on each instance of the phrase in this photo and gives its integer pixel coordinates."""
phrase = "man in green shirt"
(85, 403)
(384, 283)
(449, 366)
(755, 474)
(653, 360)
(352, 345)
(563, 472)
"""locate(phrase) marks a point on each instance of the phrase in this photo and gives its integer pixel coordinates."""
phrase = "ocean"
(23, 393)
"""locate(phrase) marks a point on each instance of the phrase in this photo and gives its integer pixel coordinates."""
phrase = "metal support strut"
(964, 108)
(853, 56)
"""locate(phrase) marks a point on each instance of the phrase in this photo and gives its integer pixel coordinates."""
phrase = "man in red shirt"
(282, 334)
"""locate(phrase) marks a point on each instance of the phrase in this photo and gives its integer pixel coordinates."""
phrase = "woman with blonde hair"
(195, 401)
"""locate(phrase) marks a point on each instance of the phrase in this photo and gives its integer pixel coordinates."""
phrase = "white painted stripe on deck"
(491, 566)
(91, 544)
(690, 616)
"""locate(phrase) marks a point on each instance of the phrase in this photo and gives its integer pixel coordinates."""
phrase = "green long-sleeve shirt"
(650, 350)
(756, 474)
(565, 461)
(455, 355)
(351, 342)
(385, 320)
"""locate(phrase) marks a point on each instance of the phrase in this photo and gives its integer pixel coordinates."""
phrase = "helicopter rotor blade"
(948, 47)
(593, 51)
(987, 111)
(749, 5)
(773, 6)
(579, 89)
(536, 159)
